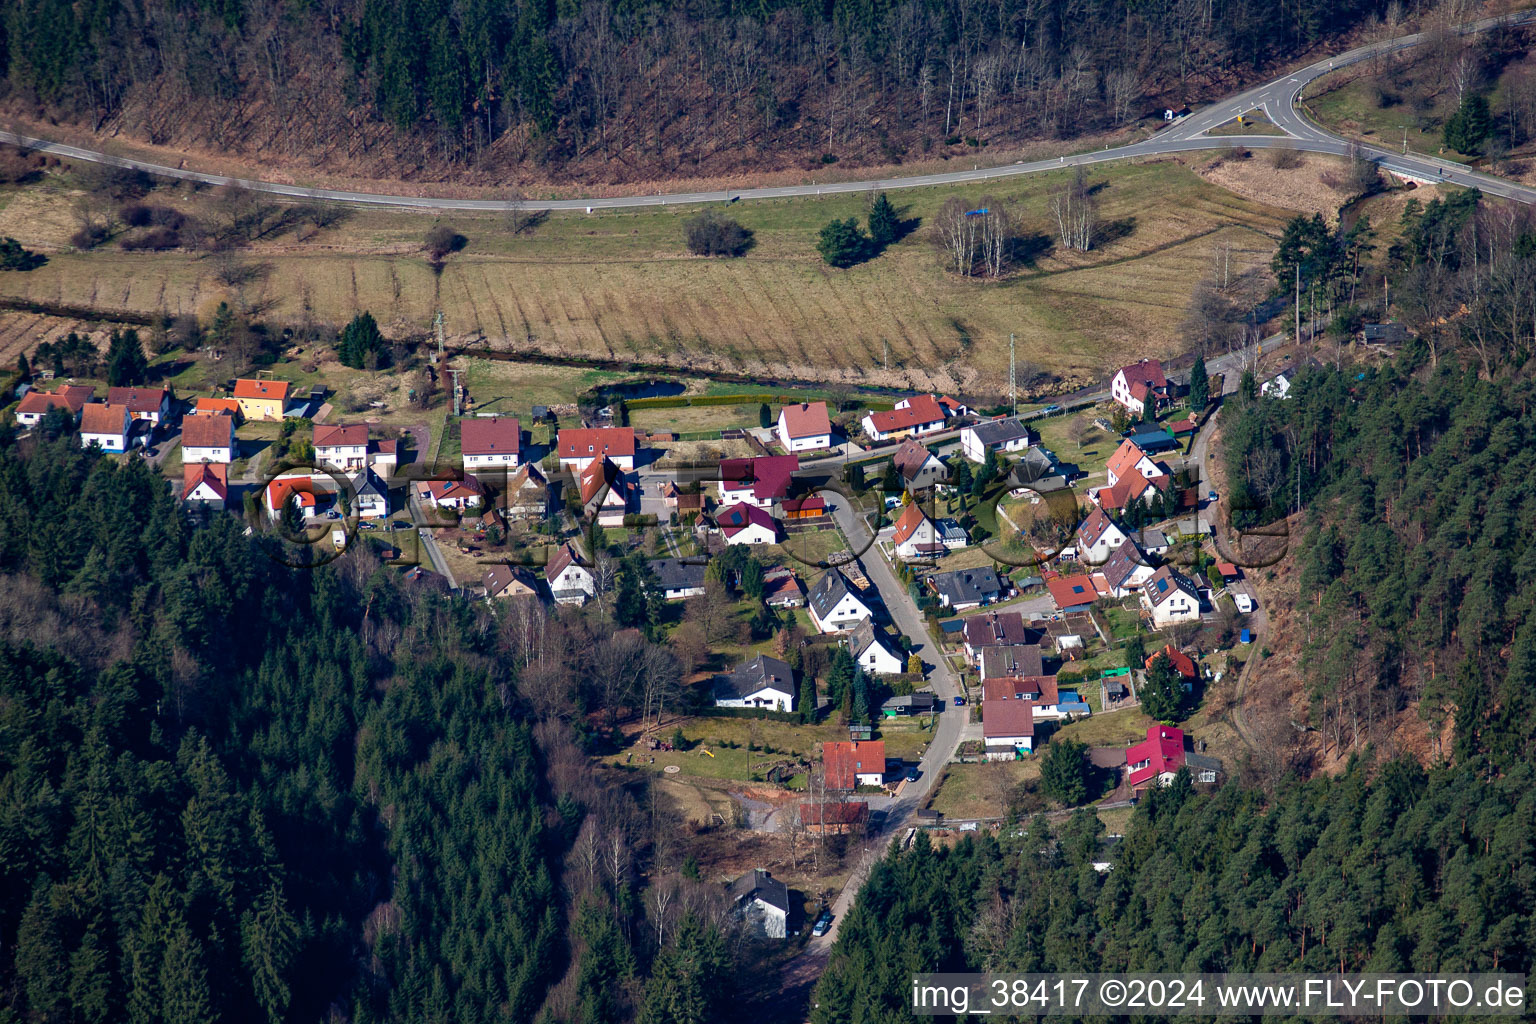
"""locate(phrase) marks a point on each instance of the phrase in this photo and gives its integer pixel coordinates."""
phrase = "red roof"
(498, 435)
(845, 760)
(1143, 376)
(340, 434)
(246, 388)
(732, 519)
(1163, 749)
(1228, 570)
(66, 396)
(214, 406)
(920, 410)
(214, 474)
(590, 442)
(137, 399)
(99, 418)
(599, 472)
(467, 489)
(207, 431)
(808, 419)
(911, 518)
(767, 475)
(1123, 463)
(285, 487)
(1129, 489)
(1181, 661)
(1072, 591)
(1006, 718)
(813, 504)
(1006, 688)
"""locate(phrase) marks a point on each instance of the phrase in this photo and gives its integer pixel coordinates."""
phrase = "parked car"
(1212, 497)
(912, 774)
(822, 923)
(959, 701)
(1050, 410)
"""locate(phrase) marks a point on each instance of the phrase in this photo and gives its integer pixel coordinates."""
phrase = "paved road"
(1277, 98)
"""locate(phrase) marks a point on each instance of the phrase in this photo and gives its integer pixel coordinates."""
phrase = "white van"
(1244, 602)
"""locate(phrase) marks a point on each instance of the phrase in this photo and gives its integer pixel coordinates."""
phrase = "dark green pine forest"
(235, 791)
(1406, 484)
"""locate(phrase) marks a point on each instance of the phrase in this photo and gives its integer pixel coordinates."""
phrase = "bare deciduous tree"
(1074, 209)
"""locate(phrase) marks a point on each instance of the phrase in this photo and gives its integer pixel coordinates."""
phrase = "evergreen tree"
(855, 476)
(184, 980)
(842, 243)
(883, 222)
(807, 699)
(23, 368)
(1471, 125)
(861, 702)
(126, 363)
(752, 579)
(764, 416)
(1162, 691)
(1199, 386)
(1064, 771)
(359, 340)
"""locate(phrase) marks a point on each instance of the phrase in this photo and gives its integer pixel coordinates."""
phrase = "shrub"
(711, 233)
(1284, 159)
(843, 243)
(442, 240)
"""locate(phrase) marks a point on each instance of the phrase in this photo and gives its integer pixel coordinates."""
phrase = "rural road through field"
(1277, 98)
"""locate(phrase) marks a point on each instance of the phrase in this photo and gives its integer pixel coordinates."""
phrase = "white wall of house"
(504, 460)
(770, 697)
(192, 456)
(879, 661)
(922, 537)
(106, 442)
(1180, 607)
(1098, 553)
(846, 614)
(1120, 391)
(343, 456)
(752, 533)
(574, 578)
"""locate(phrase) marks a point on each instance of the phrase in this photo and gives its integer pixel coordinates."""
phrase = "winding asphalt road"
(1278, 99)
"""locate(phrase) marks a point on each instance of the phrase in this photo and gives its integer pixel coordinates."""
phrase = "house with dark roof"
(504, 582)
(150, 404)
(678, 578)
(1011, 661)
(1098, 536)
(979, 440)
(873, 651)
(763, 901)
(805, 427)
(849, 764)
(918, 467)
(1126, 571)
(763, 481)
(746, 524)
(762, 682)
(908, 704)
(834, 604)
(1153, 440)
(1134, 386)
(1170, 598)
(1008, 729)
(964, 589)
(994, 629)
(370, 496)
(570, 582)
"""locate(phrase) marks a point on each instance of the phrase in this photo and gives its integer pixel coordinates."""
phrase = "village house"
(105, 426)
(763, 901)
(208, 439)
(370, 496)
(218, 406)
(504, 582)
(979, 440)
(908, 704)
(1134, 386)
(1128, 459)
(69, 397)
(1153, 541)
(782, 588)
(842, 817)
(915, 416)
(1074, 594)
(453, 495)
(811, 506)
(915, 535)
(262, 399)
(527, 494)
(1170, 598)
(343, 445)
(605, 492)
(805, 427)
(964, 589)
(763, 481)
(580, 446)
(678, 579)
(570, 582)
(1007, 729)
(1011, 662)
(872, 651)
(762, 682)
(1157, 759)
(205, 484)
(1033, 688)
(1132, 487)
(1126, 571)
(1182, 663)
(491, 441)
(1152, 440)
(1098, 537)
(918, 467)
(747, 524)
(995, 629)
(834, 604)
(295, 487)
(152, 405)
(849, 764)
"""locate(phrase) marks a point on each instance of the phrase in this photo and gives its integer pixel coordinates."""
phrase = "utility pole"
(887, 343)
(1298, 302)
(1013, 378)
(440, 331)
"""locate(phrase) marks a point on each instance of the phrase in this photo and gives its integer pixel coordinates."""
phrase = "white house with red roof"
(915, 416)
(605, 493)
(1132, 487)
(493, 441)
(205, 484)
(916, 536)
(1129, 459)
(1008, 728)
(805, 427)
(206, 438)
(747, 524)
(453, 495)
(579, 446)
(570, 582)
(763, 481)
(291, 486)
(343, 445)
(848, 764)
(150, 404)
(1135, 385)
(104, 425)
(1155, 760)
(1098, 537)
(69, 397)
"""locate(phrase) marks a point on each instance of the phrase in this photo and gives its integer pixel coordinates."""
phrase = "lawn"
(1061, 435)
(981, 790)
(804, 552)
(1110, 729)
(619, 285)
(905, 738)
(690, 418)
(709, 756)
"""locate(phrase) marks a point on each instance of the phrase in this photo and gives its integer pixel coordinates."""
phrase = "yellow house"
(261, 399)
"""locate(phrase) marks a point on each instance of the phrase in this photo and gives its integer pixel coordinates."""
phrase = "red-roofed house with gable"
(747, 524)
(105, 426)
(853, 763)
(208, 439)
(1155, 760)
(1076, 593)
(579, 446)
(1182, 662)
(343, 445)
(916, 416)
(35, 404)
(262, 399)
(205, 484)
(1008, 727)
(1131, 488)
(1129, 459)
(915, 535)
(151, 404)
(490, 441)
(763, 481)
(805, 427)
(284, 488)
(1135, 385)
(457, 495)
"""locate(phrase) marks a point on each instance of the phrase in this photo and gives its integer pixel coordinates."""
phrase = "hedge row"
(682, 401)
(760, 713)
